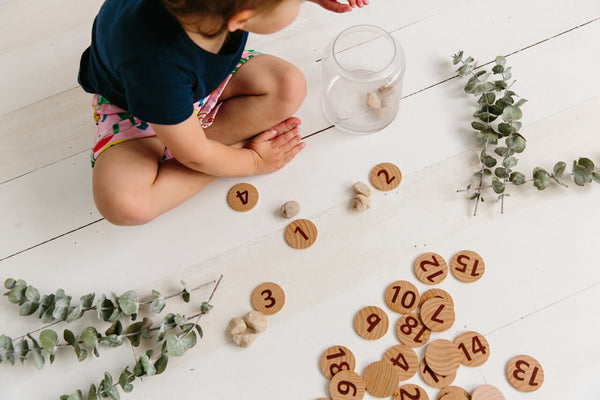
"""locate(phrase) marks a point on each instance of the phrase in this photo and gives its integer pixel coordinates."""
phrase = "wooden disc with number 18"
(336, 359)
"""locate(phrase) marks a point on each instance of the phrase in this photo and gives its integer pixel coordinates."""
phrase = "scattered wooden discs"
(474, 348)
(347, 385)
(381, 379)
(437, 314)
(371, 323)
(410, 391)
(433, 379)
(402, 297)
(460, 393)
(443, 357)
(431, 268)
(242, 197)
(336, 359)
(411, 331)
(268, 298)
(386, 176)
(431, 293)
(467, 266)
(301, 234)
(525, 373)
(404, 359)
(487, 392)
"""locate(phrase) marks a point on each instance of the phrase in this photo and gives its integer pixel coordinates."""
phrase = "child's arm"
(267, 152)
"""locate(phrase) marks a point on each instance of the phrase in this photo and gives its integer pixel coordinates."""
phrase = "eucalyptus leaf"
(32, 294)
(17, 294)
(559, 169)
(541, 178)
(586, 163)
(498, 186)
(10, 283)
(47, 308)
(509, 162)
(75, 314)
(28, 308)
(185, 295)
(129, 302)
(516, 143)
(115, 329)
(161, 364)
(48, 340)
(133, 333)
(92, 393)
(89, 337)
(38, 358)
(175, 347)
(111, 340)
(581, 174)
(501, 172)
(87, 300)
(149, 368)
(61, 307)
(478, 126)
(21, 350)
(158, 303)
(517, 178)
(189, 340)
(596, 177)
(6, 347)
(199, 329)
(490, 161)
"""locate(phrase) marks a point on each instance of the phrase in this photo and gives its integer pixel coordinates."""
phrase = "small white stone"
(244, 339)
(236, 326)
(373, 100)
(256, 321)
(362, 188)
(361, 202)
(290, 209)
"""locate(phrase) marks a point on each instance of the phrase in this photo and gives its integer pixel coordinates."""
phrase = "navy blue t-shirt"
(142, 60)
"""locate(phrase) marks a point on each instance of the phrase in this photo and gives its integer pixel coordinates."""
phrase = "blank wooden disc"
(347, 385)
(435, 292)
(386, 176)
(402, 297)
(336, 359)
(381, 379)
(460, 393)
(431, 268)
(443, 357)
(474, 348)
(371, 323)
(433, 379)
(467, 266)
(301, 234)
(438, 314)
(525, 373)
(411, 331)
(404, 359)
(410, 391)
(454, 396)
(487, 392)
(268, 298)
(242, 197)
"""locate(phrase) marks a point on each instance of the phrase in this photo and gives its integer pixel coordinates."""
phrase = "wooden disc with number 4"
(431, 268)
(467, 266)
(268, 298)
(386, 176)
(404, 359)
(336, 359)
(347, 385)
(242, 197)
(301, 234)
(525, 373)
(474, 348)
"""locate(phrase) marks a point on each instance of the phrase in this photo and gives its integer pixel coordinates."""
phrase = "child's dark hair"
(211, 16)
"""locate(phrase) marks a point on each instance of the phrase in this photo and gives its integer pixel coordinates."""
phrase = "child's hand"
(333, 5)
(276, 147)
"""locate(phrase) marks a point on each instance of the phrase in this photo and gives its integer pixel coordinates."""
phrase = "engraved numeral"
(243, 196)
(435, 263)
(269, 298)
(404, 297)
(405, 395)
(388, 180)
(397, 363)
(301, 232)
(342, 353)
(373, 320)
(437, 312)
(335, 368)
(344, 387)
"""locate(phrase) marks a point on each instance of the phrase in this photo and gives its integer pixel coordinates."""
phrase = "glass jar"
(362, 79)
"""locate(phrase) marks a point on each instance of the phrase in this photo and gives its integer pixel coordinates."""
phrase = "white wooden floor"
(541, 289)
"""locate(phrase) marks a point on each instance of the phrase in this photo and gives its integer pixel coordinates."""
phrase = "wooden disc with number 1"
(242, 197)
(301, 234)
(386, 176)
(268, 298)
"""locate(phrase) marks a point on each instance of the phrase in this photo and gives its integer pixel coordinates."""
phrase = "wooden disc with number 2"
(301, 234)
(386, 176)
(268, 298)
(242, 197)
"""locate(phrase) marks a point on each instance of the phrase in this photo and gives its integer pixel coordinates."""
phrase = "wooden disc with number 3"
(301, 234)
(386, 176)
(242, 197)
(268, 298)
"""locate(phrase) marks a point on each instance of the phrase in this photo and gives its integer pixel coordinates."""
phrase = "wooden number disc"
(410, 391)
(474, 348)
(467, 266)
(268, 298)
(433, 379)
(404, 359)
(525, 373)
(381, 379)
(411, 331)
(431, 293)
(386, 176)
(336, 359)
(301, 234)
(431, 268)
(437, 314)
(443, 357)
(347, 385)
(371, 323)
(458, 392)
(242, 197)
(487, 392)
(402, 297)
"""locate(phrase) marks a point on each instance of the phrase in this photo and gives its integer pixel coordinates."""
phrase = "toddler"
(179, 101)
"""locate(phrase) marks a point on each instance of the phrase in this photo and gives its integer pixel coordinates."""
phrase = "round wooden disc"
(431, 293)
(404, 359)
(454, 396)
(411, 331)
(467, 266)
(443, 357)
(487, 392)
(268, 298)
(301, 234)
(410, 391)
(474, 348)
(371, 323)
(402, 297)
(336, 359)
(381, 379)
(431, 268)
(347, 385)
(461, 393)
(525, 373)
(242, 197)
(437, 314)
(433, 379)
(386, 176)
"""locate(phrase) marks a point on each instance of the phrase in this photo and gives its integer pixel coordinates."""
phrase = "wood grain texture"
(268, 298)
(371, 323)
(336, 359)
(455, 391)
(411, 331)
(525, 373)
(431, 268)
(433, 379)
(438, 314)
(347, 385)
(242, 197)
(435, 292)
(402, 297)
(410, 391)
(443, 357)
(487, 392)
(404, 359)
(467, 266)
(301, 234)
(381, 379)
(474, 348)
(385, 176)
